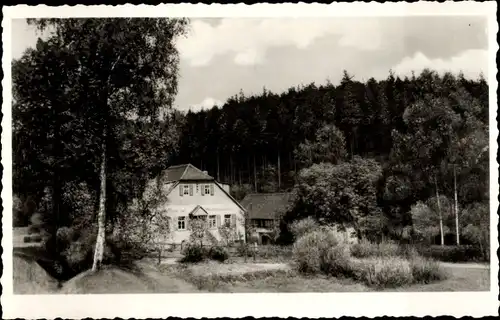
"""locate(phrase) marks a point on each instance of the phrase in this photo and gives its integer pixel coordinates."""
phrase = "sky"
(220, 56)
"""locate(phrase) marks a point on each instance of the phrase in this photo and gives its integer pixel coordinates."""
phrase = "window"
(212, 222)
(206, 189)
(185, 189)
(227, 220)
(181, 223)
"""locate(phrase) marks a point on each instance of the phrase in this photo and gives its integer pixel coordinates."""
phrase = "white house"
(193, 193)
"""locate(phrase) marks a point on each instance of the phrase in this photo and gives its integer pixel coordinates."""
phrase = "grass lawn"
(147, 277)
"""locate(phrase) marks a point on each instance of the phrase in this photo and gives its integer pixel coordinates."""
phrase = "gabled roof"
(185, 172)
(197, 209)
(266, 205)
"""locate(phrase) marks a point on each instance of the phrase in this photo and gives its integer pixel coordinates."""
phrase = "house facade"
(264, 213)
(193, 194)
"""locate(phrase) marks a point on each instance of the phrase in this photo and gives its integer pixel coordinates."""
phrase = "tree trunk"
(254, 173)
(279, 171)
(439, 212)
(263, 166)
(101, 217)
(218, 169)
(239, 175)
(456, 205)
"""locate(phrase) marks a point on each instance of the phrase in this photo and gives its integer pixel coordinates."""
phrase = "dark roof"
(185, 172)
(266, 205)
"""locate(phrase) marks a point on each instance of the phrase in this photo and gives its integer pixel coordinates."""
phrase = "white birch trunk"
(101, 216)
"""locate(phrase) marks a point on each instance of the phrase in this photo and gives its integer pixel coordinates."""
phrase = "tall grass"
(366, 249)
(320, 251)
(425, 270)
(384, 265)
(388, 272)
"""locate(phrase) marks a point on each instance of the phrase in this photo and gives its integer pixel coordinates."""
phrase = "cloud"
(248, 39)
(207, 103)
(470, 62)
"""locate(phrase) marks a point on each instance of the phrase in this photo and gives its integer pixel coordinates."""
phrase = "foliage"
(426, 270)
(475, 226)
(344, 194)
(310, 252)
(240, 191)
(328, 146)
(109, 88)
(218, 253)
(453, 253)
(388, 272)
(367, 249)
(193, 253)
(303, 226)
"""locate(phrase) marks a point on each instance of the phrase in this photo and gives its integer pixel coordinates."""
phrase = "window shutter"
(190, 189)
(211, 189)
(186, 222)
(176, 225)
(233, 220)
(202, 189)
(181, 190)
(217, 217)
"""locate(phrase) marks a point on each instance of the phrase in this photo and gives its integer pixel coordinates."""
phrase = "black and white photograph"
(340, 153)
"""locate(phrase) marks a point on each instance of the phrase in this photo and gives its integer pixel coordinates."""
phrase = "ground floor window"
(181, 223)
(212, 222)
(227, 220)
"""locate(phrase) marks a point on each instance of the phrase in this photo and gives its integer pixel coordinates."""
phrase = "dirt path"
(159, 282)
(465, 265)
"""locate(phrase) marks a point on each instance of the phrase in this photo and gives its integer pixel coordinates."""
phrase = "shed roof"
(266, 205)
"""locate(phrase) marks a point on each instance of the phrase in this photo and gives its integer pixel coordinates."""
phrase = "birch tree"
(123, 68)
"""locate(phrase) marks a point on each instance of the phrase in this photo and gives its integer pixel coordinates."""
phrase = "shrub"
(243, 251)
(310, 250)
(452, 253)
(426, 270)
(366, 249)
(193, 253)
(384, 272)
(336, 261)
(301, 227)
(218, 253)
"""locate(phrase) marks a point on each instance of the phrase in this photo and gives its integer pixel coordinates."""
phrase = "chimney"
(205, 172)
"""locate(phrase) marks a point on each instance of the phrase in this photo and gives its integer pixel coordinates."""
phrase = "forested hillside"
(424, 133)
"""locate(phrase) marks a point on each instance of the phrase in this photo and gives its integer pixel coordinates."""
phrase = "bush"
(426, 270)
(193, 253)
(243, 251)
(366, 249)
(218, 253)
(384, 272)
(310, 250)
(301, 227)
(336, 261)
(452, 253)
